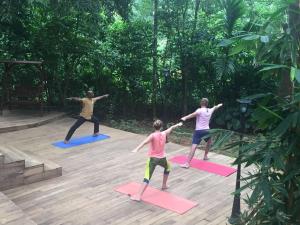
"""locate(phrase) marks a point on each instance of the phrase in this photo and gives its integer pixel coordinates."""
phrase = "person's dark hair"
(90, 94)
(204, 102)
(157, 124)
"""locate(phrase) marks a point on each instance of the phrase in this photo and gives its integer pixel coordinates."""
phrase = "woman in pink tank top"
(203, 115)
(157, 157)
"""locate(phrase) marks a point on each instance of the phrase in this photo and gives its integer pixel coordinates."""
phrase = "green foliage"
(234, 10)
(106, 46)
(220, 49)
(273, 156)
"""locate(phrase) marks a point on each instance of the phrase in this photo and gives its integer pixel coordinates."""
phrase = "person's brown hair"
(157, 124)
(90, 94)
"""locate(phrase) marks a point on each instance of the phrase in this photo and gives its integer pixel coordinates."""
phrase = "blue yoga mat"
(80, 141)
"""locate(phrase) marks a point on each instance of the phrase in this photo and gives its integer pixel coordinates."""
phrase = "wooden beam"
(20, 62)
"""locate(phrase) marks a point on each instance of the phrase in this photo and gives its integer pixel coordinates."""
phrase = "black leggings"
(79, 122)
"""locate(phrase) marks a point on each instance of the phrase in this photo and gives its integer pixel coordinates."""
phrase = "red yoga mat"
(159, 198)
(205, 166)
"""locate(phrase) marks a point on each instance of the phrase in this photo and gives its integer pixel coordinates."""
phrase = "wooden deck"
(11, 214)
(84, 194)
(19, 120)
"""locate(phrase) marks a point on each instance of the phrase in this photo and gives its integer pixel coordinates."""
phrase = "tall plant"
(274, 150)
(234, 10)
(273, 158)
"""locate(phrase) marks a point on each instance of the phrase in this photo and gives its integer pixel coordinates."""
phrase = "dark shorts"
(198, 136)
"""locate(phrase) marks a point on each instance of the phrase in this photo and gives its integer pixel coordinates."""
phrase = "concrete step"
(51, 169)
(8, 182)
(33, 165)
(11, 214)
(1, 159)
(16, 167)
(36, 165)
(13, 154)
(21, 168)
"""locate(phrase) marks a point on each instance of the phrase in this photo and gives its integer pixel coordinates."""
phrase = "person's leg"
(167, 170)
(196, 142)
(150, 167)
(96, 125)
(142, 189)
(208, 144)
(190, 156)
(192, 153)
(77, 124)
(165, 179)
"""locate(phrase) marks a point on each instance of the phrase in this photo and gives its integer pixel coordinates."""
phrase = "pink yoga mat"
(205, 166)
(159, 198)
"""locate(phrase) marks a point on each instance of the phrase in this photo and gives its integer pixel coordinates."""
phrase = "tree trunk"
(294, 21)
(288, 85)
(197, 6)
(53, 3)
(154, 53)
(185, 89)
(184, 59)
(123, 8)
(294, 25)
(68, 78)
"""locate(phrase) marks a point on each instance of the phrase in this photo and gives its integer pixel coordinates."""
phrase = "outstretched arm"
(146, 141)
(217, 106)
(169, 130)
(75, 99)
(192, 115)
(100, 97)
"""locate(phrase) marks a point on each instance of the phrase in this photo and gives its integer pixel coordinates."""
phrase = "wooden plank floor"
(18, 120)
(84, 194)
(10, 214)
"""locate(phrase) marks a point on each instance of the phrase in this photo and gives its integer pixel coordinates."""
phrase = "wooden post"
(5, 89)
(41, 89)
(3, 82)
(9, 84)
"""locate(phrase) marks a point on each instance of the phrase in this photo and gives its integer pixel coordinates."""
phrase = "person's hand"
(180, 124)
(220, 105)
(106, 95)
(69, 98)
(134, 151)
(183, 119)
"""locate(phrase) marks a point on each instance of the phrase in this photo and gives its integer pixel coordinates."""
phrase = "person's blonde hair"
(204, 102)
(157, 124)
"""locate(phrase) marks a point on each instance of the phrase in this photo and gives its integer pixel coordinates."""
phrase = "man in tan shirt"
(86, 113)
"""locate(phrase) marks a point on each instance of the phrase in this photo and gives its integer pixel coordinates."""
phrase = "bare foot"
(164, 187)
(185, 165)
(95, 134)
(66, 142)
(205, 158)
(135, 198)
